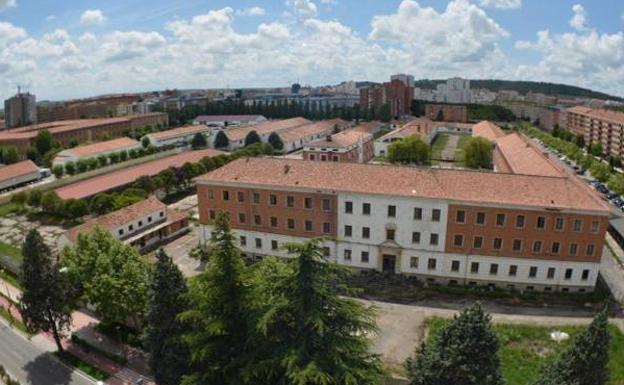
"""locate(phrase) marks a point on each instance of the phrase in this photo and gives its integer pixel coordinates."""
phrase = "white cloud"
(502, 4)
(303, 9)
(578, 20)
(251, 11)
(58, 34)
(87, 38)
(120, 46)
(92, 17)
(50, 17)
(9, 33)
(7, 4)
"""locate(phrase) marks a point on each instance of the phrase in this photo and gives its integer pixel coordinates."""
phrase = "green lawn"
(11, 251)
(438, 146)
(10, 278)
(12, 208)
(526, 349)
(459, 151)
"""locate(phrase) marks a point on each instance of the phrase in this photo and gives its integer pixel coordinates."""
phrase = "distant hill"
(525, 86)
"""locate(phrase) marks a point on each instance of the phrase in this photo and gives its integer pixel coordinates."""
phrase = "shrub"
(58, 171)
(70, 168)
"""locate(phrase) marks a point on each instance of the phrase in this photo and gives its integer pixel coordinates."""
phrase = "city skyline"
(69, 50)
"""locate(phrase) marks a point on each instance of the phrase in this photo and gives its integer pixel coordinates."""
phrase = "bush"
(20, 198)
(92, 163)
(123, 156)
(51, 203)
(82, 165)
(70, 168)
(478, 153)
(34, 198)
(58, 171)
(102, 160)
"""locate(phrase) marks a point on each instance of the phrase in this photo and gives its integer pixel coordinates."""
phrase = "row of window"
(518, 245)
(274, 244)
(291, 223)
(434, 238)
(520, 221)
(392, 211)
(139, 224)
(324, 158)
(290, 201)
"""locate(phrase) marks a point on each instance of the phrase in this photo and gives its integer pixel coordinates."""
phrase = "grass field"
(11, 251)
(438, 146)
(526, 349)
(459, 151)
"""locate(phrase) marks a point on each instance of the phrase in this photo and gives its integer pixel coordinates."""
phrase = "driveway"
(179, 250)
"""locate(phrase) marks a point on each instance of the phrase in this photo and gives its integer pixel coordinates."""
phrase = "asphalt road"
(30, 364)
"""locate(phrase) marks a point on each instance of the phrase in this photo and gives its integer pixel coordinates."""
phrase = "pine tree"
(198, 141)
(221, 140)
(47, 298)
(464, 352)
(585, 361)
(276, 141)
(218, 318)
(168, 355)
(307, 333)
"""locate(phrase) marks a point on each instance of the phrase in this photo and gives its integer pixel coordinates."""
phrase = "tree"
(585, 361)
(168, 180)
(43, 142)
(385, 114)
(50, 202)
(218, 316)
(20, 198)
(409, 150)
(46, 301)
(168, 355)
(58, 171)
(123, 155)
(306, 333)
(10, 155)
(76, 208)
(252, 138)
(34, 198)
(198, 141)
(145, 142)
(580, 141)
(276, 141)
(70, 168)
(478, 153)
(82, 165)
(600, 171)
(221, 140)
(464, 352)
(595, 149)
(101, 204)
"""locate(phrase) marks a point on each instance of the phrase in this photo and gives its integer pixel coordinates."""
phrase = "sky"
(70, 49)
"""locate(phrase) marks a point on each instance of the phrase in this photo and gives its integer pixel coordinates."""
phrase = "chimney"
(286, 168)
(328, 138)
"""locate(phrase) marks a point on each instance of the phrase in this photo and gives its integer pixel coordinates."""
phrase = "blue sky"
(65, 49)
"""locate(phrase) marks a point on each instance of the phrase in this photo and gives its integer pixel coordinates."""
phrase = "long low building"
(237, 135)
(94, 150)
(144, 225)
(442, 225)
(352, 145)
(18, 174)
(177, 136)
(126, 176)
(297, 137)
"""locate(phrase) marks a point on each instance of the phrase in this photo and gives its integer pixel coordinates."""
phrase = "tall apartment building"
(20, 110)
(398, 93)
(598, 126)
(408, 80)
(443, 226)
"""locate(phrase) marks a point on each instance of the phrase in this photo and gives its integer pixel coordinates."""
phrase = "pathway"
(610, 269)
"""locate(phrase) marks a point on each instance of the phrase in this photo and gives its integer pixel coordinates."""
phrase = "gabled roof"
(100, 147)
(17, 169)
(180, 131)
(227, 118)
(342, 139)
(522, 157)
(317, 128)
(240, 133)
(487, 130)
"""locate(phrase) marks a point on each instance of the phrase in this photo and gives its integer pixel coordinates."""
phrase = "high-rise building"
(598, 126)
(398, 93)
(20, 110)
(408, 80)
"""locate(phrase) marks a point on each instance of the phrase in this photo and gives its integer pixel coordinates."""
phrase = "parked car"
(611, 196)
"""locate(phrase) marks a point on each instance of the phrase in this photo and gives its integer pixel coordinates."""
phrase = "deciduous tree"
(409, 150)
(478, 153)
(198, 141)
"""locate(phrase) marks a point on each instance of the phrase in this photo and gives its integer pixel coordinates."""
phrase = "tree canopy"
(478, 153)
(221, 140)
(276, 141)
(198, 141)
(409, 150)
(252, 138)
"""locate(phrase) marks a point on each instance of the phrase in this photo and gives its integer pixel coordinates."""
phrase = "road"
(29, 364)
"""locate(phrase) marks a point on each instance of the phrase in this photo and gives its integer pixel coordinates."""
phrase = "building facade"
(598, 126)
(447, 112)
(347, 146)
(20, 110)
(442, 226)
(398, 94)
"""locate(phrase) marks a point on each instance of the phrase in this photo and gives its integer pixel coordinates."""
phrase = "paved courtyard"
(13, 230)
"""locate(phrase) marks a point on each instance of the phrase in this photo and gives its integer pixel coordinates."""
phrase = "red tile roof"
(453, 185)
(227, 118)
(240, 133)
(181, 131)
(126, 176)
(100, 147)
(487, 130)
(317, 128)
(17, 169)
(523, 157)
(342, 139)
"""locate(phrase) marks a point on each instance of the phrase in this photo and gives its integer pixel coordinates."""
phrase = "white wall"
(136, 228)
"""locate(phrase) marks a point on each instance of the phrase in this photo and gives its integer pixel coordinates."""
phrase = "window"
(210, 194)
(326, 228)
(460, 216)
(240, 196)
(541, 222)
(272, 199)
(520, 221)
(257, 220)
(431, 264)
(477, 242)
(435, 215)
(140, 223)
(455, 266)
(347, 254)
(568, 274)
(162, 214)
(256, 198)
(366, 208)
(226, 195)
(290, 201)
(364, 257)
(578, 225)
(121, 231)
(273, 221)
(291, 224)
(391, 211)
(554, 248)
(513, 270)
(532, 271)
(500, 219)
(149, 219)
(590, 250)
(458, 240)
(274, 245)
(480, 218)
(366, 232)
(417, 213)
(348, 231)
(243, 240)
(390, 234)
(414, 262)
(497, 244)
(308, 225)
(326, 205)
(585, 275)
(433, 239)
(559, 224)
(416, 237)
(494, 269)
(517, 245)
(573, 249)
(258, 243)
(326, 251)
(307, 203)
(349, 207)
(537, 247)
(241, 218)
(130, 228)
(594, 227)
(550, 274)
(474, 267)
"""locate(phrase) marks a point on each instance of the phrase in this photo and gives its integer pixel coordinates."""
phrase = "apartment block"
(441, 225)
(598, 126)
(398, 94)
(447, 112)
(20, 110)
